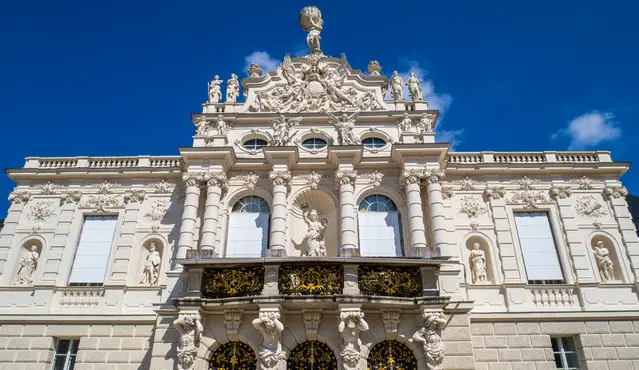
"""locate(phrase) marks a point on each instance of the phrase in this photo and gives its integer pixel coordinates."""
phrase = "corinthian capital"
(616, 191)
(280, 178)
(345, 177)
(214, 178)
(434, 176)
(192, 178)
(412, 176)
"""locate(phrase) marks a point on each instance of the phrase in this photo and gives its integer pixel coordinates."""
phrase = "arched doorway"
(233, 356)
(312, 355)
(391, 355)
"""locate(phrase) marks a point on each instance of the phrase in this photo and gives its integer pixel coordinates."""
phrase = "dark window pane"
(63, 347)
(74, 346)
(58, 363)
(558, 361)
(572, 359)
(555, 347)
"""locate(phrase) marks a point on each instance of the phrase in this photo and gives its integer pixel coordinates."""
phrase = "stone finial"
(255, 71)
(374, 68)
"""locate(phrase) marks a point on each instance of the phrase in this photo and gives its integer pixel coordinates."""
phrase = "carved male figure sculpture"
(315, 233)
(190, 329)
(405, 123)
(606, 266)
(311, 22)
(425, 123)
(414, 87)
(215, 91)
(429, 336)
(232, 89)
(202, 126)
(28, 265)
(396, 86)
(350, 325)
(221, 126)
(478, 263)
(151, 271)
(269, 325)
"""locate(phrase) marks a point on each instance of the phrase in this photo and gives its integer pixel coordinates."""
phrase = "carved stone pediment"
(314, 83)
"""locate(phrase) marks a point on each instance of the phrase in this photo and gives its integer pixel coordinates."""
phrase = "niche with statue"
(28, 262)
(150, 262)
(480, 260)
(606, 259)
(313, 225)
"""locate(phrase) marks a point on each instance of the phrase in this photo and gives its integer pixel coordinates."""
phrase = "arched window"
(233, 356)
(373, 142)
(248, 228)
(391, 354)
(254, 144)
(312, 355)
(314, 143)
(379, 227)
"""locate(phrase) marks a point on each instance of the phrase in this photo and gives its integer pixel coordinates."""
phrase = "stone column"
(410, 179)
(437, 217)
(281, 181)
(189, 213)
(345, 180)
(216, 182)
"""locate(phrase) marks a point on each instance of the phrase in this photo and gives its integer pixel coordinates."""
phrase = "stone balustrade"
(103, 162)
(528, 157)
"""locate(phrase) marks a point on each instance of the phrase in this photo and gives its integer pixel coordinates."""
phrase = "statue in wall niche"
(190, 328)
(312, 22)
(28, 265)
(269, 325)
(396, 86)
(478, 264)
(405, 123)
(606, 266)
(315, 232)
(414, 86)
(282, 130)
(151, 272)
(232, 89)
(215, 90)
(344, 126)
(350, 325)
(221, 126)
(425, 123)
(429, 336)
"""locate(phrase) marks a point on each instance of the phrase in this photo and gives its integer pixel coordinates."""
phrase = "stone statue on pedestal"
(478, 264)
(405, 123)
(315, 233)
(28, 265)
(311, 22)
(232, 89)
(215, 91)
(397, 86)
(414, 87)
(425, 123)
(606, 266)
(151, 271)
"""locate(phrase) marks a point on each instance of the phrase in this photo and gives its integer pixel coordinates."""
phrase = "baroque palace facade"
(316, 225)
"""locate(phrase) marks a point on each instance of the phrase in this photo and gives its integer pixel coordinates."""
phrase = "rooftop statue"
(311, 22)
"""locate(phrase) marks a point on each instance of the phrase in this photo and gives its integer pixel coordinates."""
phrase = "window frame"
(562, 352)
(68, 354)
(314, 147)
(374, 146)
(254, 147)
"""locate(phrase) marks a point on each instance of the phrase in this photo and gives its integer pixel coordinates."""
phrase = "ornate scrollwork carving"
(496, 192)
(102, 203)
(589, 206)
(472, 207)
(466, 184)
(529, 198)
(163, 187)
(106, 187)
(156, 213)
(214, 178)
(411, 176)
(135, 196)
(390, 281)
(376, 178)
(584, 182)
(233, 282)
(526, 183)
(434, 176)
(47, 188)
(233, 356)
(390, 354)
(19, 197)
(616, 191)
(311, 280)
(447, 192)
(249, 180)
(71, 196)
(313, 179)
(192, 178)
(40, 213)
(560, 192)
(280, 178)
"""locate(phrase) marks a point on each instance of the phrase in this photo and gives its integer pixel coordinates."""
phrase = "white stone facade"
(456, 228)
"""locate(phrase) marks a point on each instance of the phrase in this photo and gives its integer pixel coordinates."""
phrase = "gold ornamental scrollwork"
(391, 355)
(232, 282)
(390, 281)
(312, 355)
(233, 356)
(311, 280)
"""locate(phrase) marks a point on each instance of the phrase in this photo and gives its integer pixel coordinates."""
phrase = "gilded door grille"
(312, 355)
(391, 355)
(233, 356)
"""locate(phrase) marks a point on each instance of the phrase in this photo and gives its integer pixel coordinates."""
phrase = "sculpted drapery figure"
(221, 126)
(430, 337)
(190, 329)
(425, 123)
(315, 232)
(312, 22)
(232, 89)
(414, 87)
(151, 271)
(28, 265)
(282, 130)
(215, 90)
(344, 126)
(405, 123)
(478, 263)
(350, 325)
(269, 325)
(606, 266)
(396, 86)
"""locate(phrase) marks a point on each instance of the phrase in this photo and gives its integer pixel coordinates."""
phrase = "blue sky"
(122, 78)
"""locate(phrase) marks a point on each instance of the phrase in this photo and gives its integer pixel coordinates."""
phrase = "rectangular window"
(94, 247)
(379, 234)
(65, 353)
(248, 235)
(565, 352)
(538, 248)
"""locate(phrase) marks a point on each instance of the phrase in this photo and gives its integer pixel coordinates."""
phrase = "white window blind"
(92, 255)
(538, 246)
(379, 234)
(248, 235)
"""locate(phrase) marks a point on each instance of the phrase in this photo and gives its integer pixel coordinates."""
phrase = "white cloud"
(263, 59)
(589, 130)
(454, 137)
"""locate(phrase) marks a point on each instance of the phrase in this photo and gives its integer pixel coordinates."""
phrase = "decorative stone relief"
(496, 192)
(616, 191)
(589, 206)
(203, 126)
(345, 177)
(312, 22)
(270, 327)
(151, 271)
(163, 187)
(19, 197)
(102, 202)
(430, 337)
(376, 178)
(411, 176)
(71, 196)
(597, 224)
(221, 126)
(280, 178)
(255, 71)
(106, 187)
(405, 123)
(313, 179)
(414, 87)
(425, 123)
(312, 319)
(344, 125)
(472, 207)
(232, 89)
(233, 320)
(215, 90)
(374, 68)
(526, 183)
(28, 265)
(434, 176)
(192, 178)
(351, 324)
(190, 328)
(391, 319)
(560, 192)
(605, 264)
(478, 264)
(215, 178)
(282, 130)
(135, 196)
(249, 180)
(40, 212)
(466, 184)
(447, 192)
(47, 188)
(84, 298)
(529, 198)
(396, 86)
(584, 182)
(315, 231)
